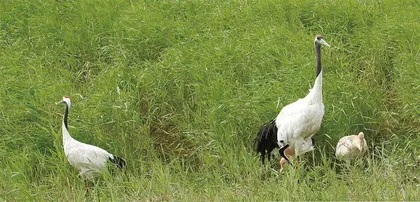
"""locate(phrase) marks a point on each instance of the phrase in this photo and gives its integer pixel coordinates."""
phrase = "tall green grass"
(180, 89)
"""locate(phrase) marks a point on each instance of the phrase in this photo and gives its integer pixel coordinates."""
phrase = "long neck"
(318, 59)
(66, 114)
(65, 131)
(316, 92)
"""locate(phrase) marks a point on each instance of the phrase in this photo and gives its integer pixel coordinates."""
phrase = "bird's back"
(347, 147)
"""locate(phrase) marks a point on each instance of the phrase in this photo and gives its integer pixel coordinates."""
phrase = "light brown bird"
(351, 147)
(306, 146)
(290, 154)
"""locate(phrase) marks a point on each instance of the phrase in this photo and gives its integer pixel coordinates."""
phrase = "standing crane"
(299, 120)
(89, 160)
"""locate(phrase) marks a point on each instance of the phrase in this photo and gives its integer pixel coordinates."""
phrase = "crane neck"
(66, 114)
(315, 94)
(66, 135)
(318, 59)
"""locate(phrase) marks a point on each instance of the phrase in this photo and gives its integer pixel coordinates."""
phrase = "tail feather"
(118, 161)
(266, 139)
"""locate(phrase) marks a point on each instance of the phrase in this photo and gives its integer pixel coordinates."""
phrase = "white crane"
(301, 119)
(89, 160)
(351, 147)
(297, 122)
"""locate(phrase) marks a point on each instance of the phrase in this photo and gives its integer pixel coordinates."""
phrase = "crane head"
(66, 99)
(319, 40)
(361, 135)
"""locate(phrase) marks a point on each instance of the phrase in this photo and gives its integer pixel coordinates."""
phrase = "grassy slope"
(180, 89)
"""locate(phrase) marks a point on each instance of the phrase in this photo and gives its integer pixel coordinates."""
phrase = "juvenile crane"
(301, 119)
(290, 153)
(89, 160)
(350, 147)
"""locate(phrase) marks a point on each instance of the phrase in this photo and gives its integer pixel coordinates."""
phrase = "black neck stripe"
(66, 113)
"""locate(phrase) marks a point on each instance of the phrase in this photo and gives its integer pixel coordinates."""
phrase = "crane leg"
(297, 161)
(263, 156)
(88, 186)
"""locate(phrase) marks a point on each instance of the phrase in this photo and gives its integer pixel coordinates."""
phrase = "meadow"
(181, 88)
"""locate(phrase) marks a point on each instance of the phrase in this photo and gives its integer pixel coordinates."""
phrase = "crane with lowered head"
(351, 147)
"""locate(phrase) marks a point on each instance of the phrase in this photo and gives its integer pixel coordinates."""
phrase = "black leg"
(88, 186)
(262, 157)
(284, 156)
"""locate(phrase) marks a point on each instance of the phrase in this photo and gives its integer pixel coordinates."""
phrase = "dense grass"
(180, 90)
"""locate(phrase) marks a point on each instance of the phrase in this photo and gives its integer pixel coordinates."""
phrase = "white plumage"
(300, 120)
(351, 147)
(88, 159)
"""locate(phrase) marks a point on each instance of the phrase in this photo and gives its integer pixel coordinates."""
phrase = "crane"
(89, 160)
(350, 147)
(299, 120)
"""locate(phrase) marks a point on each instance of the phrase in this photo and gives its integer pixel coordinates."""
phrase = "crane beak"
(323, 42)
(61, 101)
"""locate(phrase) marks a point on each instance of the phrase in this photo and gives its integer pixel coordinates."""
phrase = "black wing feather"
(266, 139)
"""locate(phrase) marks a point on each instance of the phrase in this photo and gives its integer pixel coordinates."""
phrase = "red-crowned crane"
(89, 160)
(351, 147)
(301, 119)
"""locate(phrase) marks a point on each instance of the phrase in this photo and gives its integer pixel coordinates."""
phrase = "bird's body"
(351, 147)
(297, 122)
(89, 160)
(301, 119)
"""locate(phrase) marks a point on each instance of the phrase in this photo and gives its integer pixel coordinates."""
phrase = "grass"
(180, 89)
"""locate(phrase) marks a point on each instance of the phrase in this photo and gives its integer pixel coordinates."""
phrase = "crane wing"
(299, 119)
(88, 157)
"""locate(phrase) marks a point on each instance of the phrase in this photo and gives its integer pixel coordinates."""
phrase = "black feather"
(266, 140)
(283, 155)
(118, 161)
